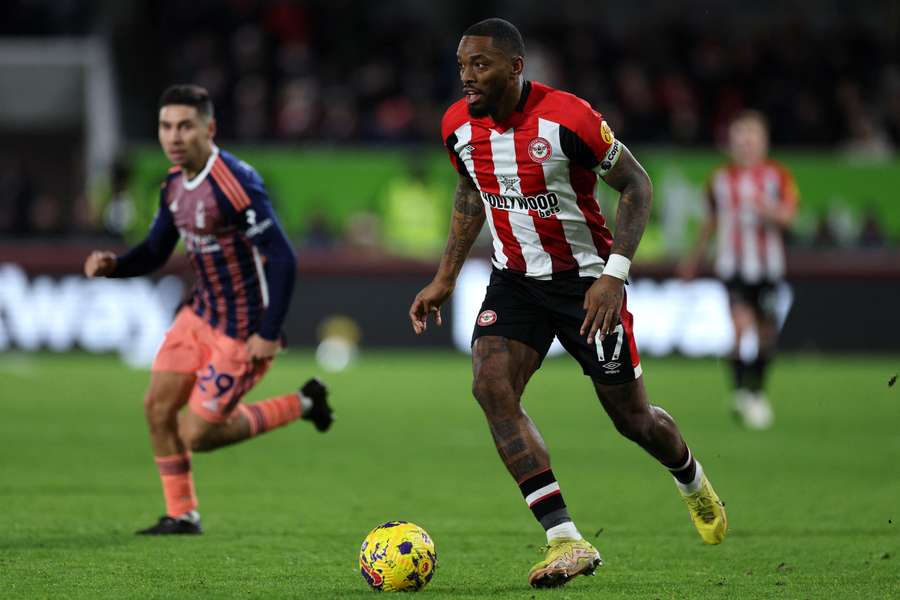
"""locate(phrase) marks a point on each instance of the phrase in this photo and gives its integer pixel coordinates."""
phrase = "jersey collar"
(526, 91)
(196, 181)
(518, 114)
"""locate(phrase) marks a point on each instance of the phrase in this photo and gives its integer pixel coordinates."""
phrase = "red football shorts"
(223, 369)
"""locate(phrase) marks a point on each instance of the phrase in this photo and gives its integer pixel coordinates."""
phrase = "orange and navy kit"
(244, 270)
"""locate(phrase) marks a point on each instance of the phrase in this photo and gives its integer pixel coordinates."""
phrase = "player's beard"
(478, 112)
(487, 106)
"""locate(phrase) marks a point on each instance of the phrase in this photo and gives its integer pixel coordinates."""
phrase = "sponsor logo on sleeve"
(612, 156)
(606, 133)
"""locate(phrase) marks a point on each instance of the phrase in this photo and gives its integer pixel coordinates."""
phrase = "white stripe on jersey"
(574, 224)
(760, 255)
(726, 260)
(499, 258)
(261, 276)
(537, 260)
(774, 243)
(751, 268)
(463, 137)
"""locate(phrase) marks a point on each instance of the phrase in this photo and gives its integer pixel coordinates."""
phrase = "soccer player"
(224, 340)
(528, 158)
(751, 203)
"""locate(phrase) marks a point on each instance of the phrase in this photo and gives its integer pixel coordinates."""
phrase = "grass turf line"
(813, 504)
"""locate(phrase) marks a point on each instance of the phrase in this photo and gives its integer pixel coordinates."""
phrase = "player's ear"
(211, 127)
(518, 65)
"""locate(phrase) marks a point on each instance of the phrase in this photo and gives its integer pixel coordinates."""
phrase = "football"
(397, 557)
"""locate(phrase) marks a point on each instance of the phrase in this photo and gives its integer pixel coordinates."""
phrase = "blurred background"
(338, 104)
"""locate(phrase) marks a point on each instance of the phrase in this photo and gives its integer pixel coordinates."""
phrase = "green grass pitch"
(813, 504)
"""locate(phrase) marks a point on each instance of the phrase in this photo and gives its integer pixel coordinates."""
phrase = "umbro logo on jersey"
(612, 367)
(539, 149)
(466, 151)
(486, 318)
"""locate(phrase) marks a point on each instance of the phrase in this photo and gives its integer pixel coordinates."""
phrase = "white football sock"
(191, 516)
(694, 485)
(565, 530)
(305, 403)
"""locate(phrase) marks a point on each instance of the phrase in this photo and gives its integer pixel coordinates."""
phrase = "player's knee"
(660, 414)
(195, 439)
(767, 345)
(494, 394)
(199, 443)
(636, 426)
(159, 408)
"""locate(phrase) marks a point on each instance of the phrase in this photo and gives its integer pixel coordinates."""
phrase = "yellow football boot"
(564, 560)
(707, 512)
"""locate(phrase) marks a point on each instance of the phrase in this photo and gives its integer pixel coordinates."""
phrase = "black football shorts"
(533, 311)
(760, 296)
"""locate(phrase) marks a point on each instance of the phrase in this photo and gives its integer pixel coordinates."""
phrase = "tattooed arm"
(630, 179)
(465, 225)
(603, 301)
(468, 218)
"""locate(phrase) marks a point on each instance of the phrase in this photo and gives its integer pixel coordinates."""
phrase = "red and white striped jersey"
(537, 173)
(747, 247)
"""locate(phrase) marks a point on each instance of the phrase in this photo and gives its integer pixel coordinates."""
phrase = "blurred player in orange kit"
(751, 203)
(223, 342)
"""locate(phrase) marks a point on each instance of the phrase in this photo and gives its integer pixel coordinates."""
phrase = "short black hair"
(505, 35)
(189, 95)
(750, 114)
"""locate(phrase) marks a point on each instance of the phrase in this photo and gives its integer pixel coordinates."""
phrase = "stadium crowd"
(330, 73)
(327, 71)
(286, 70)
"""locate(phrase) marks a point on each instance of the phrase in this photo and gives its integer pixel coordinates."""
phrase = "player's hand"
(603, 303)
(427, 302)
(259, 348)
(774, 215)
(99, 264)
